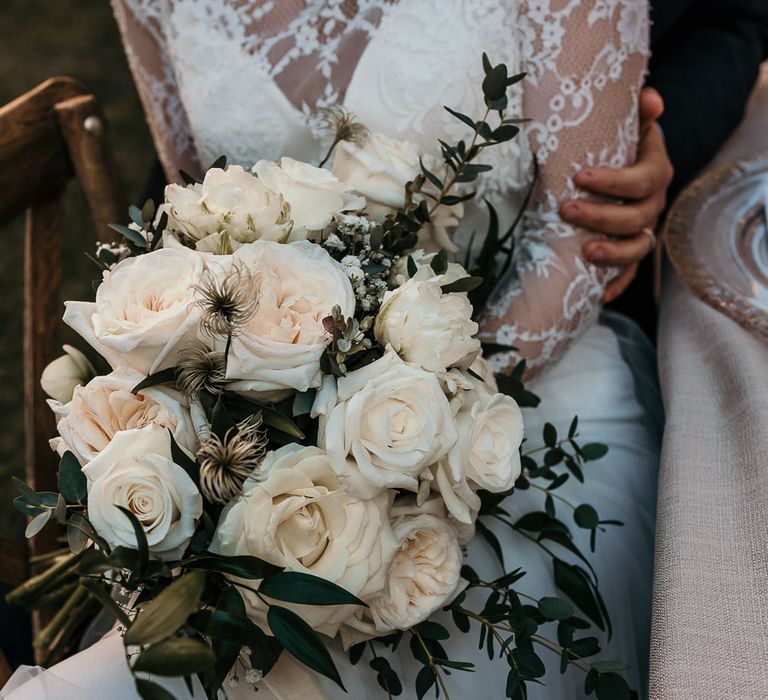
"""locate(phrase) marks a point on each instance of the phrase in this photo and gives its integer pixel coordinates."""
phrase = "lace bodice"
(246, 78)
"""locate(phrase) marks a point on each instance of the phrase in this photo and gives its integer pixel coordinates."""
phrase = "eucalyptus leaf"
(133, 236)
(72, 482)
(572, 581)
(135, 215)
(555, 608)
(593, 451)
(148, 210)
(425, 679)
(611, 686)
(586, 516)
(76, 534)
(461, 117)
(37, 523)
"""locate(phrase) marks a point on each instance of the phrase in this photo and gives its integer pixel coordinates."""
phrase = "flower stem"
(432, 665)
(448, 186)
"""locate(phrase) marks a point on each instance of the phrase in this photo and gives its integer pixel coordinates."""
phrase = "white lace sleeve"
(582, 97)
(142, 28)
(272, 65)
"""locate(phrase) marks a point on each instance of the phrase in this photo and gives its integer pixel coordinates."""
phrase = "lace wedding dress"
(247, 78)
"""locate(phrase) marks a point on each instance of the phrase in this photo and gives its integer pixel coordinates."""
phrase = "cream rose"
(136, 471)
(61, 376)
(379, 170)
(314, 194)
(424, 575)
(488, 449)
(300, 518)
(144, 310)
(393, 420)
(279, 348)
(230, 207)
(426, 326)
(106, 405)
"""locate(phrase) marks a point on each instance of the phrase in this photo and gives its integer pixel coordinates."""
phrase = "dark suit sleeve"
(705, 65)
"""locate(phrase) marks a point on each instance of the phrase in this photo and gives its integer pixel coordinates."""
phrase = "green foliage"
(72, 482)
(176, 656)
(166, 613)
(300, 640)
(298, 587)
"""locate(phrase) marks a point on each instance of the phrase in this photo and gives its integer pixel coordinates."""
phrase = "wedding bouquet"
(298, 433)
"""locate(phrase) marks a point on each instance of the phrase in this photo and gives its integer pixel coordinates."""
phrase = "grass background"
(40, 39)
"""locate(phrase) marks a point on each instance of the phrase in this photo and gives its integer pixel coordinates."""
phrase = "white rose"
(426, 326)
(280, 347)
(136, 471)
(379, 170)
(61, 376)
(300, 518)
(393, 420)
(424, 575)
(488, 448)
(106, 405)
(144, 310)
(230, 207)
(314, 194)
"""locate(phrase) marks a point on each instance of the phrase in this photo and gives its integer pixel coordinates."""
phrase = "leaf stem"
(376, 656)
(550, 492)
(448, 185)
(432, 665)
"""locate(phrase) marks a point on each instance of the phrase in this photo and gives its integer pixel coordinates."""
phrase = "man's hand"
(642, 186)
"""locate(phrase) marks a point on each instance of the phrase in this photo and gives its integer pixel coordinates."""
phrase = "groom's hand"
(643, 189)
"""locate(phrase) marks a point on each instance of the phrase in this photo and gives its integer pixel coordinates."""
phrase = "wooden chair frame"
(48, 136)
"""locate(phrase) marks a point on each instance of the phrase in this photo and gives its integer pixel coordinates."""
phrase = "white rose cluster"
(273, 302)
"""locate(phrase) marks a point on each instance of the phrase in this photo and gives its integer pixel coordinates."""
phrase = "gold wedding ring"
(650, 233)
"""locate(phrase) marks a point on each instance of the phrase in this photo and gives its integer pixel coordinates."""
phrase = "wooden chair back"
(49, 136)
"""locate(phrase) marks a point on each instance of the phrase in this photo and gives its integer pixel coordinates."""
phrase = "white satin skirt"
(608, 379)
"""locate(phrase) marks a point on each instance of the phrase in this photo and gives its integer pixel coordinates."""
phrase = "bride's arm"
(586, 63)
(142, 30)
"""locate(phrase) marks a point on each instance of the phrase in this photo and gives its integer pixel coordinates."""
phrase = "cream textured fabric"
(710, 618)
